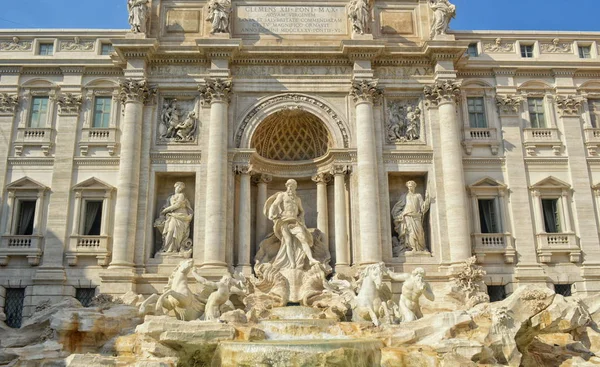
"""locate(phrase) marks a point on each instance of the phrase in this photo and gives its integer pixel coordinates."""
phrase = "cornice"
(403, 157)
(31, 161)
(484, 161)
(80, 161)
(180, 157)
(541, 161)
(475, 74)
(291, 60)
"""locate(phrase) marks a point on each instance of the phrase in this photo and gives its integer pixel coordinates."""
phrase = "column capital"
(340, 169)
(242, 168)
(8, 103)
(262, 178)
(69, 104)
(508, 104)
(568, 106)
(366, 91)
(322, 178)
(216, 90)
(136, 90)
(442, 92)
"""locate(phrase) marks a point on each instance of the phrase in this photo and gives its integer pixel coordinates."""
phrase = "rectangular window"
(25, 217)
(585, 52)
(496, 292)
(536, 113)
(39, 112)
(488, 218)
(106, 49)
(85, 295)
(46, 49)
(594, 105)
(13, 306)
(101, 112)
(93, 218)
(472, 50)
(552, 222)
(563, 289)
(527, 51)
(476, 112)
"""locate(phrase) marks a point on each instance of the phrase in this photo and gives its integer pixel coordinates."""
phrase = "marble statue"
(177, 297)
(413, 123)
(408, 215)
(443, 12)
(187, 129)
(413, 288)
(138, 15)
(218, 302)
(286, 211)
(174, 222)
(359, 12)
(404, 122)
(219, 15)
(171, 127)
(372, 303)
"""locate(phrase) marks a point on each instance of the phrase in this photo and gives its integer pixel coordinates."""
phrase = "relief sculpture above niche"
(404, 121)
(178, 122)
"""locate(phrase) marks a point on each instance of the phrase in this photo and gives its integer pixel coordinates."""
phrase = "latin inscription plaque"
(321, 20)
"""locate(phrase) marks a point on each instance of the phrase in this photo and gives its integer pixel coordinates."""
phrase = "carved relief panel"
(404, 121)
(178, 121)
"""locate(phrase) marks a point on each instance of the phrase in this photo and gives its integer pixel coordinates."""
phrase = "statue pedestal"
(132, 35)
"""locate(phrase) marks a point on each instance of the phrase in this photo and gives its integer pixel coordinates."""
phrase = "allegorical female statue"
(174, 222)
(138, 15)
(218, 15)
(443, 12)
(359, 12)
(408, 215)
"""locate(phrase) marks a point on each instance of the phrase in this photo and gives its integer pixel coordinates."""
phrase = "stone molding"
(216, 90)
(8, 103)
(509, 104)
(366, 91)
(442, 92)
(69, 104)
(321, 178)
(568, 106)
(136, 90)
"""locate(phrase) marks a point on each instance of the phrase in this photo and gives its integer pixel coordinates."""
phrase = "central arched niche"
(291, 135)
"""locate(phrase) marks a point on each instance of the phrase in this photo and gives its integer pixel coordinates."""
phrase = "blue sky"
(472, 14)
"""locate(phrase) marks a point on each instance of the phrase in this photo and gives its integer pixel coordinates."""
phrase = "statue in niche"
(404, 122)
(359, 12)
(138, 15)
(219, 14)
(172, 128)
(413, 288)
(443, 12)
(174, 223)
(408, 215)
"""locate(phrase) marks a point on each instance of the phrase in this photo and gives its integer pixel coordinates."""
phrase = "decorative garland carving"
(568, 106)
(16, 45)
(556, 47)
(508, 105)
(446, 91)
(76, 45)
(499, 47)
(8, 103)
(69, 104)
(136, 90)
(217, 90)
(366, 91)
(292, 97)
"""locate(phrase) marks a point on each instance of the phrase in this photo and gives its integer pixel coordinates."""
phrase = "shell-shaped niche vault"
(291, 135)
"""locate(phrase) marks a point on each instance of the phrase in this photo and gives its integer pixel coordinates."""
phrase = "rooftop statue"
(138, 15)
(359, 12)
(219, 15)
(443, 12)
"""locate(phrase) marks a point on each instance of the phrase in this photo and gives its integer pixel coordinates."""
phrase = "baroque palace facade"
(496, 134)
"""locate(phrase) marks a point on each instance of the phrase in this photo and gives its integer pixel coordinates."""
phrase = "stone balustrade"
(553, 243)
(21, 245)
(98, 137)
(481, 137)
(33, 137)
(545, 137)
(88, 246)
(494, 243)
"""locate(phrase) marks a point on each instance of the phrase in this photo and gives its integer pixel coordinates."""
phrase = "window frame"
(111, 48)
(527, 55)
(42, 122)
(41, 45)
(94, 111)
(544, 113)
(473, 46)
(483, 113)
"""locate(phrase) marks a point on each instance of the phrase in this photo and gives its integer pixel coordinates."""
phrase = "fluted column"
(443, 95)
(365, 94)
(342, 246)
(217, 93)
(133, 93)
(262, 181)
(322, 179)
(244, 218)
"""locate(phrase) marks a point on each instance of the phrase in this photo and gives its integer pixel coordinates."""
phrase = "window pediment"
(26, 183)
(93, 184)
(550, 183)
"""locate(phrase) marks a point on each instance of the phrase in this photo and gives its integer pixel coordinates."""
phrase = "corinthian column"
(322, 179)
(244, 220)
(217, 93)
(133, 93)
(443, 95)
(365, 94)
(342, 248)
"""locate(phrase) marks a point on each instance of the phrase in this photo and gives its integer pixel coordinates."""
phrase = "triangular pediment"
(487, 182)
(551, 182)
(93, 183)
(26, 183)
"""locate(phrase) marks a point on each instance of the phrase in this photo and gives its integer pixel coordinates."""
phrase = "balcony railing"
(98, 137)
(546, 137)
(552, 243)
(92, 246)
(481, 137)
(592, 141)
(494, 243)
(33, 137)
(16, 245)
